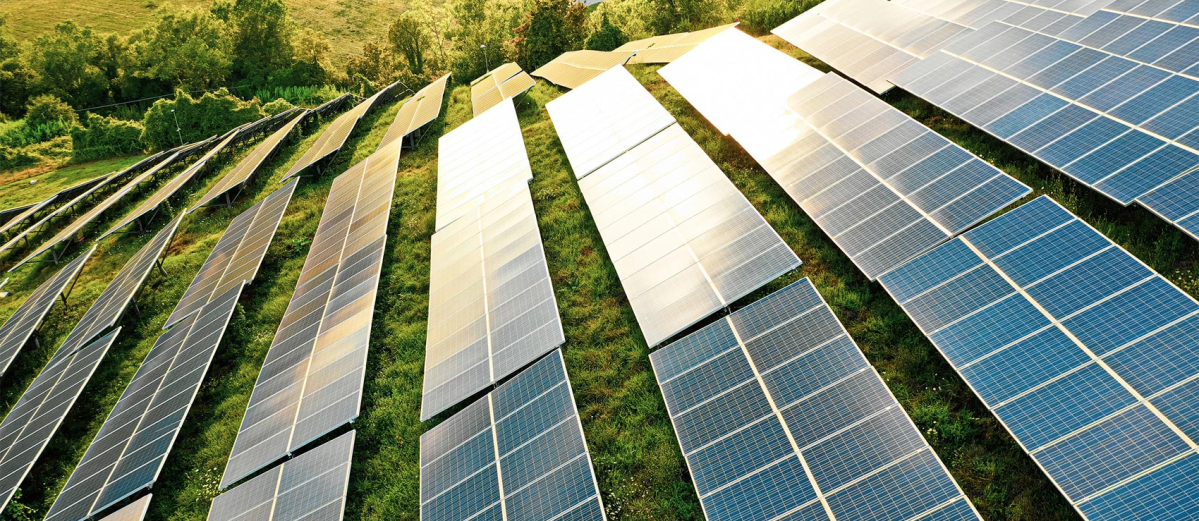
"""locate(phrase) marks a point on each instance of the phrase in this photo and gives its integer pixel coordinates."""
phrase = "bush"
(606, 36)
(276, 107)
(758, 17)
(46, 109)
(21, 133)
(56, 149)
(211, 114)
(305, 96)
(103, 137)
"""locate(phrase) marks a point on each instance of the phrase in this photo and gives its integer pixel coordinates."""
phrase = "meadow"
(640, 469)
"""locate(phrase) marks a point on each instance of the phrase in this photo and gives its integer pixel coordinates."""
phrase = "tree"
(409, 40)
(372, 69)
(311, 65)
(209, 115)
(606, 36)
(65, 61)
(550, 27)
(16, 78)
(187, 49)
(47, 108)
(262, 39)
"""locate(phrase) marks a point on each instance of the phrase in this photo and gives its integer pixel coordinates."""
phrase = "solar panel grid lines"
(778, 414)
(323, 338)
(516, 453)
(475, 159)
(421, 109)
(25, 321)
(33, 421)
(668, 47)
(27, 215)
(135, 511)
(238, 254)
(312, 485)
(103, 181)
(574, 68)
(56, 202)
(241, 173)
(593, 133)
(1082, 352)
(335, 135)
(132, 445)
(491, 302)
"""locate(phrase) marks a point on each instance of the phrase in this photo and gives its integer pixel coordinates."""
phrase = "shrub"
(21, 133)
(606, 36)
(211, 114)
(56, 149)
(758, 17)
(103, 137)
(46, 109)
(305, 96)
(278, 106)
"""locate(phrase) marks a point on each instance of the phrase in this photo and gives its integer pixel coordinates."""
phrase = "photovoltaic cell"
(668, 47)
(311, 382)
(574, 68)
(235, 259)
(1076, 346)
(1046, 15)
(240, 174)
(484, 156)
(21, 325)
(491, 304)
(420, 110)
(779, 414)
(516, 453)
(502, 83)
(336, 134)
(311, 486)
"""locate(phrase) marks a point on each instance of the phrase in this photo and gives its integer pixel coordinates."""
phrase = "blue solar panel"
(1086, 355)
(779, 414)
(519, 451)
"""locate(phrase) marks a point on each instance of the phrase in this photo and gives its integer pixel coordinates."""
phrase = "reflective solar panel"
(237, 178)
(505, 82)
(1082, 351)
(880, 184)
(132, 445)
(868, 40)
(491, 304)
(668, 47)
(780, 416)
(21, 325)
(574, 68)
(604, 118)
(27, 215)
(683, 239)
(236, 258)
(311, 486)
(1051, 15)
(102, 182)
(135, 511)
(17, 219)
(8, 213)
(516, 453)
(1160, 33)
(311, 382)
(335, 136)
(1120, 127)
(420, 110)
(482, 157)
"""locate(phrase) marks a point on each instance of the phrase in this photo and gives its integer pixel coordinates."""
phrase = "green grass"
(16, 190)
(640, 469)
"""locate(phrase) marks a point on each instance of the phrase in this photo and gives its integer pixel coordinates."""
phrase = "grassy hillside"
(347, 23)
(638, 463)
(17, 188)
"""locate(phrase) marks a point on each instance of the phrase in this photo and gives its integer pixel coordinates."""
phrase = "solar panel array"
(1086, 355)
(8, 213)
(1048, 15)
(311, 381)
(868, 40)
(27, 214)
(491, 303)
(311, 486)
(1125, 129)
(574, 68)
(881, 185)
(27, 429)
(102, 182)
(240, 174)
(334, 137)
(135, 511)
(516, 453)
(505, 82)
(480, 158)
(22, 324)
(420, 110)
(666, 48)
(1158, 32)
(683, 239)
(780, 416)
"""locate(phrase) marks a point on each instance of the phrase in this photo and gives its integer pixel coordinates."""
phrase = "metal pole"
(486, 60)
(178, 129)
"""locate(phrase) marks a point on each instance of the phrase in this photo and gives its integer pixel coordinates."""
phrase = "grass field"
(16, 189)
(640, 469)
(347, 23)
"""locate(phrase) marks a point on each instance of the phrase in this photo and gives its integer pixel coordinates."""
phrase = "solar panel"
(503, 83)
(240, 174)
(27, 215)
(8, 213)
(516, 453)
(311, 382)
(574, 68)
(491, 304)
(420, 110)
(21, 325)
(28, 428)
(780, 416)
(132, 445)
(102, 182)
(1046, 15)
(335, 136)
(135, 511)
(1085, 354)
(880, 184)
(668, 47)
(1124, 129)
(310, 486)
(236, 258)
(683, 239)
(604, 118)
(480, 158)
(868, 40)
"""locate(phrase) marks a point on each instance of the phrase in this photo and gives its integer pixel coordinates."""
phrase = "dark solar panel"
(780, 416)
(311, 381)
(241, 173)
(516, 453)
(21, 325)
(311, 486)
